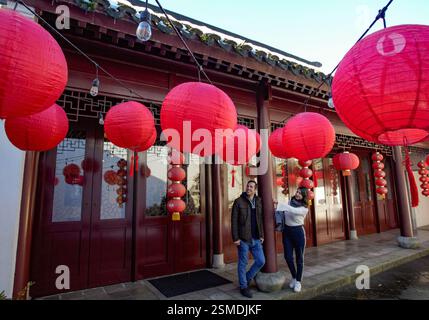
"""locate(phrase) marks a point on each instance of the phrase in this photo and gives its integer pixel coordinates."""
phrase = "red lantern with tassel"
(375, 86)
(308, 136)
(202, 106)
(33, 68)
(130, 125)
(275, 143)
(38, 132)
(175, 205)
(379, 174)
(346, 162)
(424, 178)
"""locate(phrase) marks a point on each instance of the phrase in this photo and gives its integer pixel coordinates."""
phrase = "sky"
(316, 30)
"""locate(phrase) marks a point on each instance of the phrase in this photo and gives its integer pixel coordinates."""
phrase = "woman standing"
(294, 235)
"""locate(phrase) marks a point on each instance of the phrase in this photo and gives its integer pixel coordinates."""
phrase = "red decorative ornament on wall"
(346, 162)
(275, 143)
(42, 131)
(71, 172)
(202, 106)
(130, 125)
(308, 136)
(176, 174)
(33, 68)
(379, 174)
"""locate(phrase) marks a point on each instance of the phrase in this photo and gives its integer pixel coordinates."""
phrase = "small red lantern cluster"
(346, 162)
(379, 174)
(424, 178)
(333, 179)
(176, 190)
(285, 179)
(121, 179)
(305, 173)
(131, 125)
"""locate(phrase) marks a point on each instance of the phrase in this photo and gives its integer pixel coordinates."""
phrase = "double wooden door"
(84, 214)
(328, 208)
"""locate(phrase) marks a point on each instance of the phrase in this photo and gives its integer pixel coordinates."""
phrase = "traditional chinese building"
(110, 232)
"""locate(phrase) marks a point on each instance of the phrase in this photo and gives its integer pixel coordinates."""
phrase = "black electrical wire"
(381, 15)
(97, 66)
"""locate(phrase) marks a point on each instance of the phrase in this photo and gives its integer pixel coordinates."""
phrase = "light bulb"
(94, 89)
(144, 30)
(101, 120)
(331, 103)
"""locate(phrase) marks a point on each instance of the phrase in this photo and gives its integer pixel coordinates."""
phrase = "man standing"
(248, 235)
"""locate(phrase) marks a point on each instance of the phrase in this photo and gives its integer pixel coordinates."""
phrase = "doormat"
(189, 282)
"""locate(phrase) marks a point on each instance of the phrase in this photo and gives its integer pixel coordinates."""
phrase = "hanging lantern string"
(381, 15)
(97, 66)
(199, 66)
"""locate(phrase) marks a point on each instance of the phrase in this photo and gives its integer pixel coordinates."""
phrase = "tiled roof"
(211, 36)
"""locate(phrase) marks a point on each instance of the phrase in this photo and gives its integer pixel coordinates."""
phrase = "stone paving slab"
(330, 266)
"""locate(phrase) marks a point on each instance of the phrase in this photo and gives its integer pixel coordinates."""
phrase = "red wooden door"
(328, 203)
(164, 246)
(78, 222)
(363, 189)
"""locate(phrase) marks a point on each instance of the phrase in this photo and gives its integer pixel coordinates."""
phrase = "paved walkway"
(326, 268)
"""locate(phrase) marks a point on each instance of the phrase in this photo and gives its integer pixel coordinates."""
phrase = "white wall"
(11, 173)
(422, 211)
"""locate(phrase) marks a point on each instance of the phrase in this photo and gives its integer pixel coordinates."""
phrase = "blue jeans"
(255, 248)
(294, 240)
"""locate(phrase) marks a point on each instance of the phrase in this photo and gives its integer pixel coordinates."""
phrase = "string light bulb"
(101, 119)
(95, 86)
(144, 30)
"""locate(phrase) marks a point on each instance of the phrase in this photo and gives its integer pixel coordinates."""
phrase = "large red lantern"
(380, 89)
(308, 136)
(33, 68)
(241, 147)
(346, 162)
(275, 143)
(192, 106)
(38, 132)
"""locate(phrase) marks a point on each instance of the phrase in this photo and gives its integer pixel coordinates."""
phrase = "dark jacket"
(241, 219)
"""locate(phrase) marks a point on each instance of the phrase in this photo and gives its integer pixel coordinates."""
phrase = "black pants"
(294, 240)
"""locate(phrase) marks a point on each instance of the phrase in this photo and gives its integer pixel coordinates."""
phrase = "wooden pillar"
(350, 208)
(265, 182)
(217, 215)
(23, 254)
(404, 206)
(209, 212)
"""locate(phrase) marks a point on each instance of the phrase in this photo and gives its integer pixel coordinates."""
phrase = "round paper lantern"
(424, 179)
(38, 132)
(426, 193)
(308, 136)
(129, 125)
(380, 174)
(381, 182)
(346, 162)
(241, 147)
(111, 177)
(176, 190)
(378, 165)
(380, 88)
(306, 183)
(198, 106)
(382, 191)
(421, 165)
(149, 143)
(275, 143)
(176, 174)
(176, 206)
(306, 173)
(33, 68)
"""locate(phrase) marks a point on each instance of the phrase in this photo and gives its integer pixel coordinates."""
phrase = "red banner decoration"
(33, 68)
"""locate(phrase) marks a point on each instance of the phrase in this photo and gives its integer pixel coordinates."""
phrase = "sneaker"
(246, 292)
(297, 287)
(292, 283)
